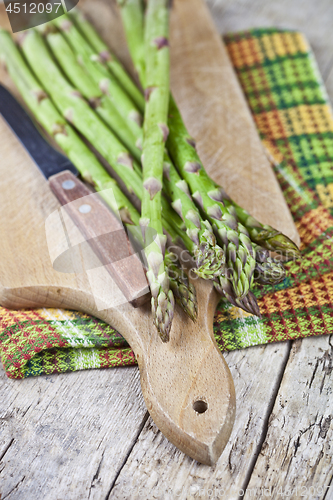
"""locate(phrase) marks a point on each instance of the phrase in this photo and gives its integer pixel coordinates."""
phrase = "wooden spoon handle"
(186, 383)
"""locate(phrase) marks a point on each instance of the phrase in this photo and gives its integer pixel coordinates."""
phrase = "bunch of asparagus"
(89, 166)
(70, 80)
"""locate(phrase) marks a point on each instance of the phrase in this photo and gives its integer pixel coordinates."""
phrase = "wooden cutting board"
(186, 383)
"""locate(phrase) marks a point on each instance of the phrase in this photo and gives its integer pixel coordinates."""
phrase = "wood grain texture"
(66, 436)
(157, 470)
(171, 470)
(298, 441)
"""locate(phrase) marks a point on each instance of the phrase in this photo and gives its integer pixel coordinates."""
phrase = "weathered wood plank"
(66, 436)
(156, 469)
(297, 452)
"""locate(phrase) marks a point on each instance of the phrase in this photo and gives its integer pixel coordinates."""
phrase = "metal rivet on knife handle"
(85, 208)
(69, 184)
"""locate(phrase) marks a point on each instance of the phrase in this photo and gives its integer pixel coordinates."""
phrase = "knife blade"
(100, 227)
(49, 160)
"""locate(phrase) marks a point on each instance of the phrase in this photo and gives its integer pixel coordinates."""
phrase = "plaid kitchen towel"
(286, 95)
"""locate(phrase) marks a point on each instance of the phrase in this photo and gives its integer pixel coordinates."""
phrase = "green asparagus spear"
(154, 137)
(132, 16)
(81, 80)
(102, 50)
(240, 255)
(95, 66)
(261, 234)
(182, 288)
(268, 271)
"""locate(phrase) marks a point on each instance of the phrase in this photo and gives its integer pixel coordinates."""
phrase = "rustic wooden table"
(88, 434)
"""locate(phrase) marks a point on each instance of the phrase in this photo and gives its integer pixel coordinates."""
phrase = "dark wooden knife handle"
(105, 234)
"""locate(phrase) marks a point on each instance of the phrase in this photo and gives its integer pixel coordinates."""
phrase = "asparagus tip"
(248, 303)
(210, 260)
(269, 272)
(187, 299)
(281, 243)
(278, 242)
(183, 291)
(163, 307)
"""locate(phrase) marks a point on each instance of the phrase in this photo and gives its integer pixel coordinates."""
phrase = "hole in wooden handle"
(200, 406)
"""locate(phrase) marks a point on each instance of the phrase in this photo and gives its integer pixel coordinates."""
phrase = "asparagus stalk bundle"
(73, 107)
(208, 255)
(95, 65)
(240, 264)
(96, 78)
(86, 162)
(76, 110)
(132, 16)
(240, 255)
(264, 235)
(87, 86)
(233, 225)
(109, 59)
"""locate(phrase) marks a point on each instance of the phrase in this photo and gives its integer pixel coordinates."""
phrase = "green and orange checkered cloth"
(286, 95)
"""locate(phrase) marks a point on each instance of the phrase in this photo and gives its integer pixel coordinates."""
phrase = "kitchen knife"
(100, 227)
